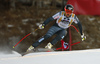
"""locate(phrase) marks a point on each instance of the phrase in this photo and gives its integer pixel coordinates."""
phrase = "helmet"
(69, 9)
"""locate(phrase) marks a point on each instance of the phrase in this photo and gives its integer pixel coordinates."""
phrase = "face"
(68, 12)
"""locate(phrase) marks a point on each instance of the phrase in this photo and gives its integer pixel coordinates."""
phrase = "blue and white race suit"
(59, 28)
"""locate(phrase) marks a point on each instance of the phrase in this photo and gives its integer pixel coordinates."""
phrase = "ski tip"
(13, 47)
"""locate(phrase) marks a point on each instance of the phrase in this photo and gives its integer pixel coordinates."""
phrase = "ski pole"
(25, 37)
(75, 28)
(78, 31)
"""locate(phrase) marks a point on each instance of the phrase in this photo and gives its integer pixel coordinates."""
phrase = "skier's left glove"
(41, 26)
(83, 37)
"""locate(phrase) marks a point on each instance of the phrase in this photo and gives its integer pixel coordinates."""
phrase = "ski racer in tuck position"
(64, 19)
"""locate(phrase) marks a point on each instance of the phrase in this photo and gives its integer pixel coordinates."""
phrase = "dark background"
(20, 17)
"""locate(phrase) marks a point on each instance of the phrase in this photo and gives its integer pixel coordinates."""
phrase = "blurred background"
(20, 17)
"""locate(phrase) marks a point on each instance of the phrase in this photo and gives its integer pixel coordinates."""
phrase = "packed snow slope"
(62, 57)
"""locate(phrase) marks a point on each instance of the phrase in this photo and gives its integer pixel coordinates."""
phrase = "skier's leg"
(60, 35)
(50, 32)
(39, 41)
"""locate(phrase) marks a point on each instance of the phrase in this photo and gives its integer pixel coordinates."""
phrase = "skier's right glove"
(41, 26)
(83, 37)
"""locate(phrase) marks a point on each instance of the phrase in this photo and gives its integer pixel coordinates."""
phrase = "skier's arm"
(78, 23)
(80, 28)
(48, 20)
(54, 17)
(41, 26)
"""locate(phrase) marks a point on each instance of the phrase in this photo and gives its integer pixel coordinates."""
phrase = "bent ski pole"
(25, 37)
(75, 28)
(78, 32)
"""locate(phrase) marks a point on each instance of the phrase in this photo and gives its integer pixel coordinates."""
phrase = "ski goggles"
(68, 11)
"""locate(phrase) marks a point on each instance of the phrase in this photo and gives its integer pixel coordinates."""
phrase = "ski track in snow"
(91, 56)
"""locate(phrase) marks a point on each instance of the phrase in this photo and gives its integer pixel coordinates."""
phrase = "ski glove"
(83, 37)
(41, 26)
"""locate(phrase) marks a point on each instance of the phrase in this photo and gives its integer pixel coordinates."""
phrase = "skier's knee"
(62, 37)
(59, 37)
(47, 36)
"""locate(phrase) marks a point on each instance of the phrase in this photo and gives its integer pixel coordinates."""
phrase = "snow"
(91, 56)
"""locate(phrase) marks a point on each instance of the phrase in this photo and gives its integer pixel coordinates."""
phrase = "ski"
(25, 53)
(38, 50)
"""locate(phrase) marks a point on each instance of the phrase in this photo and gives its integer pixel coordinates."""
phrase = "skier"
(64, 19)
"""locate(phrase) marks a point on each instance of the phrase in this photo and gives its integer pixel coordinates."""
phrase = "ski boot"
(30, 48)
(49, 46)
